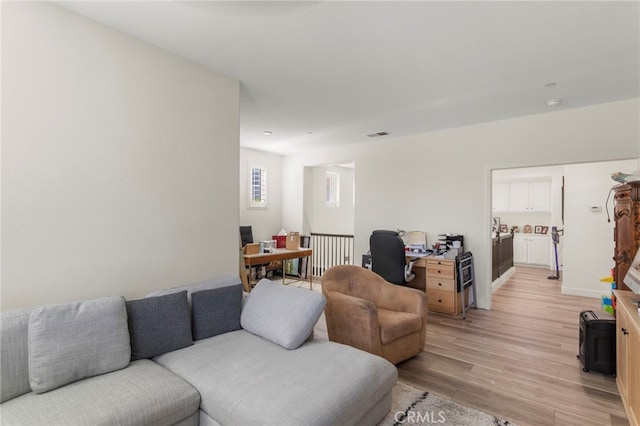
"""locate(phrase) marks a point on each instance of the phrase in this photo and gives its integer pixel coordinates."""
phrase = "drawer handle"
(439, 271)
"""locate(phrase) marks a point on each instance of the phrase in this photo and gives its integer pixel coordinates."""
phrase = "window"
(258, 187)
(332, 189)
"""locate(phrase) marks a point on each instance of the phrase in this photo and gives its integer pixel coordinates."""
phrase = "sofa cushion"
(144, 393)
(223, 281)
(216, 311)
(255, 382)
(283, 315)
(159, 324)
(76, 340)
(14, 353)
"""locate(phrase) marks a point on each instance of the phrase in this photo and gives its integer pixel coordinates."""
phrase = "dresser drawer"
(441, 283)
(441, 301)
(442, 271)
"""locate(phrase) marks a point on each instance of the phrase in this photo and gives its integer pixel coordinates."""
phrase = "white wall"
(588, 236)
(332, 220)
(119, 162)
(441, 181)
(264, 222)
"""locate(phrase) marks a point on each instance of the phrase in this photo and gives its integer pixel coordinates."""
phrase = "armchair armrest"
(353, 321)
(403, 299)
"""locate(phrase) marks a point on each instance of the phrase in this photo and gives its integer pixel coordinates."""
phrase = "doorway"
(578, 206)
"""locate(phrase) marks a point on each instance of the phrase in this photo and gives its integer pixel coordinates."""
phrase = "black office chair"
(246, 235)
(388, 257)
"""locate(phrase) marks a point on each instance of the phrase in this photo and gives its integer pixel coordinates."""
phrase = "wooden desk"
(438, 278)
(279, 255)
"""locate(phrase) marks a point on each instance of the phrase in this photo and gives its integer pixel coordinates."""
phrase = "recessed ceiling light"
(553, 102)
(268, 133)
(550, 85)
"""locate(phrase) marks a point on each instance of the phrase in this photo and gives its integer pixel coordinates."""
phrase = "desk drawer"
(441, 283)
(441, 271)
(441, 301)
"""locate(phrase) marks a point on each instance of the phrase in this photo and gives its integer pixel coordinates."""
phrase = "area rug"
(411, 406)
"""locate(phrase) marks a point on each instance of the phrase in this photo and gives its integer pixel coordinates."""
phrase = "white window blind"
(258, 187)
(332, 197)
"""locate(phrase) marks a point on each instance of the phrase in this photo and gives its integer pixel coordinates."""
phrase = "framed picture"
(527, 229)
(545, 229)
(504, 227)
(538, 229)
(495, 224)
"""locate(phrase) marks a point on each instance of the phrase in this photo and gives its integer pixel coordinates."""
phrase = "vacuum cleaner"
(555, 236)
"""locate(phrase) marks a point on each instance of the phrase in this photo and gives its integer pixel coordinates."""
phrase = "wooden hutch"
(626, 233)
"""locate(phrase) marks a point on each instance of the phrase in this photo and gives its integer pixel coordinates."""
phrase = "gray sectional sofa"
(198, 354)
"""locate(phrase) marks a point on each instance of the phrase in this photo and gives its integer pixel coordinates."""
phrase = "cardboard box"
(293, 241)
(281, 241)
(252, 248)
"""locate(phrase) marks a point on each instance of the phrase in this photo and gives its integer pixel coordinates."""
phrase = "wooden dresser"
(628, 353)
(441, 286)
(627, 228)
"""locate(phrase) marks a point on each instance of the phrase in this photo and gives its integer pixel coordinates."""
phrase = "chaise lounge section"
(260, 366)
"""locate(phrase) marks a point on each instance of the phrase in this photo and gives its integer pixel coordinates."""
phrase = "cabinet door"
(633, 371)
(520, 249)
(538, 250)
(621, 350)
(500, 196)
(539, 196)
(519, 196)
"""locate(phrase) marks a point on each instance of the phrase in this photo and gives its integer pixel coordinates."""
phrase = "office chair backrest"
(388, 256)
(246, 235)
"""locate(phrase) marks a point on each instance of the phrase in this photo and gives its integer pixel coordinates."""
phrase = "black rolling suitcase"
(597, 347)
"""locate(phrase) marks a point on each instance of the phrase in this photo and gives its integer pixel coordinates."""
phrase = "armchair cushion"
(394, 324)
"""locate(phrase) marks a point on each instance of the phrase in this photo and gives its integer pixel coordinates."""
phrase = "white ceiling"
(324, 73)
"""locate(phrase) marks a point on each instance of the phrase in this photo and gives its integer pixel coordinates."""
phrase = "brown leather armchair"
(367, 312)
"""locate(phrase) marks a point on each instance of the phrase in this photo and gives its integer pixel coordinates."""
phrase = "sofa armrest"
(353, 321)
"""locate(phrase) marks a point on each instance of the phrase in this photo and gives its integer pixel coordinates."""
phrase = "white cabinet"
(530, 196)
(531, 249)
(522, 195)
(500, 196)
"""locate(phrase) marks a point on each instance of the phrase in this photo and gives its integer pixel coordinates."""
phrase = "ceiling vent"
(375, 135)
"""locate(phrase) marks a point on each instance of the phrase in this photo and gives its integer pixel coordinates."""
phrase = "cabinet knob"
(624, 331)
(439, 271)
(440, 284)
(439, 300)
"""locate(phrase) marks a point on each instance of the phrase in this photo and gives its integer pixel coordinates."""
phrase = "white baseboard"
(499, 282)
(573, 291)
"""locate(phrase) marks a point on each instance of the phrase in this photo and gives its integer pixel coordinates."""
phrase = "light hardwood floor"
(518, 360)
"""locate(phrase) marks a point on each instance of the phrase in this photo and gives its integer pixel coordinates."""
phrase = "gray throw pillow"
(159, 324)
(283, 315)
(76, 340)
(215, 311)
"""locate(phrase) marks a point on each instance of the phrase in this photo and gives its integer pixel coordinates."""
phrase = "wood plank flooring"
(516, 361)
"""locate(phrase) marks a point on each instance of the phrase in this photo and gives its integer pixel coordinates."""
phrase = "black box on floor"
(597, 347)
